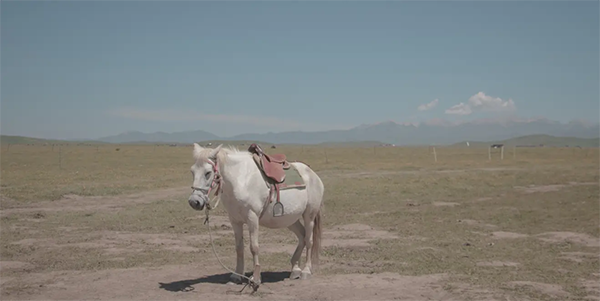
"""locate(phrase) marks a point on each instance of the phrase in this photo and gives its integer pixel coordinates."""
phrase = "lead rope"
(251, 282)
(217, 181)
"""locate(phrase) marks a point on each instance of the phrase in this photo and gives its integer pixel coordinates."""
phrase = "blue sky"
(82, 69)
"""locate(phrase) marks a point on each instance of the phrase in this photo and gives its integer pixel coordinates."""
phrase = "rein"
(215, 182)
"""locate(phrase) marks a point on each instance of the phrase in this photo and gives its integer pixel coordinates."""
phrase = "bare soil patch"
(579, 256)
(354, 235)
(14, 265)
(550, 188)
(200, 282)
(553, 290)
(73, 202)
(360, 265)
(369, 214)
(217, 221)
(592, 286)
(497, 264)
(472, 222)
(6, 202)
(508, 235)
(442, 204)
(116, 243)
(577, 238)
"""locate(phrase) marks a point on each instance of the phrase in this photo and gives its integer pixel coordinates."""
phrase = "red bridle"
(216, 182)
(216, 178)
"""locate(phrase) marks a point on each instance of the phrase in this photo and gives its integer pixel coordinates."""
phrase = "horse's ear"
(197, 149)
(214, 152)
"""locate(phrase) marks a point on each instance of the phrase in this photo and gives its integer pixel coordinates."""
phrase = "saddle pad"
(292, 179)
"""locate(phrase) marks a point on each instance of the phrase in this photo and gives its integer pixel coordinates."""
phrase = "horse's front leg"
(238, 231)
(253, 232)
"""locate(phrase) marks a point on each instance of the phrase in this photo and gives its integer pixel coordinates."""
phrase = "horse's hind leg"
(309, 223)
(298, 229)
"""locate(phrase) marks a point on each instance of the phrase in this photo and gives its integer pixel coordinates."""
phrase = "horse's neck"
(235, 168)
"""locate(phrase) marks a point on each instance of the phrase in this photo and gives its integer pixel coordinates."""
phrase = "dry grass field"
(87, 222)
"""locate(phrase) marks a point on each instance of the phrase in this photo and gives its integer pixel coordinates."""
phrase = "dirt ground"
(483, 233)
(204, 280)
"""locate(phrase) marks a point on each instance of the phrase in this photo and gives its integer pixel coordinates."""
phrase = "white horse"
(244, 194)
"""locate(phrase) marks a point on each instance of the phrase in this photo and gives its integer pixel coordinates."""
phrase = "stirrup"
(277, 209)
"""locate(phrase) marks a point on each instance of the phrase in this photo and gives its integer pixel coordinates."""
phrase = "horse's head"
(205, 174)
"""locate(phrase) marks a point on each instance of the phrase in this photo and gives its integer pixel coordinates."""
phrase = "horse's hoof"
(296, 274)
(235, 279)
(305, 275)
(257, 282)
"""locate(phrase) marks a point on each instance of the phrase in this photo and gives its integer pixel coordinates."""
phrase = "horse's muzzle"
(197, 201)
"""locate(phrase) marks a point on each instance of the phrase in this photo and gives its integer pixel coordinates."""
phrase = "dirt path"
(199, 282)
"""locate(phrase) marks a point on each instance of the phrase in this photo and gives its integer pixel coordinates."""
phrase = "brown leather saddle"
(272, 166)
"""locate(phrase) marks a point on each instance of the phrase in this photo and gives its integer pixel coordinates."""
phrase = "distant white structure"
(467, 143)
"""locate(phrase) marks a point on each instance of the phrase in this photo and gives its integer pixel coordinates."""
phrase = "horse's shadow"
(187, 285)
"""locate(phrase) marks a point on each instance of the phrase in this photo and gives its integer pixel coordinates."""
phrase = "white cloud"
(459, 109)
(428, 106)
(482, 102)
(489, 103)
(175, 115)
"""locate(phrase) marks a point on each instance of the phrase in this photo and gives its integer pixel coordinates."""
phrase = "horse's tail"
(317, 233)
(315, 190)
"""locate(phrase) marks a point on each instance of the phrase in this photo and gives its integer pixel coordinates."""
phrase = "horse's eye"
(207, 174)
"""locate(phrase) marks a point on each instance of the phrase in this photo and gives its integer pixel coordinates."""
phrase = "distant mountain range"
(7, 139)
(439, 132)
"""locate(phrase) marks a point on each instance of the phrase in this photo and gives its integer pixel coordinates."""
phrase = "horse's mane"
(223, 154)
